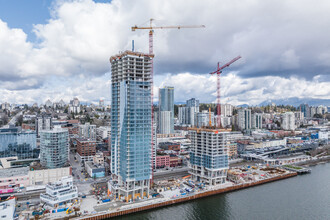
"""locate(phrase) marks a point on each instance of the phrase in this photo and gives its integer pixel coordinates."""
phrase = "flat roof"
(20, 171)
(208, 129)
(128, 52)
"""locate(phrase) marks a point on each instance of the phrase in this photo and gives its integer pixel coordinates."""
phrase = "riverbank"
(324, 159)
(161, 203)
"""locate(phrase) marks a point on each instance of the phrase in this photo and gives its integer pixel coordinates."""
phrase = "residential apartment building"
(187, 114)
(166, 104)
(103, 132)
(165, 122)
(208, 156)
(87, 131)
(288, 121)
(86, 149)
(54, 147)
(256, 121)
(226, 110)
(74, 106)
(43, 122)
(244, 119)
(131, 149)
(202, 119)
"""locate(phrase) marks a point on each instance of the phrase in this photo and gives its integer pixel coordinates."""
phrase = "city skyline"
(63, 51)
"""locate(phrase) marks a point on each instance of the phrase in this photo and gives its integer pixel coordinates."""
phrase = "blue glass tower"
(15, 142)
(130, 125)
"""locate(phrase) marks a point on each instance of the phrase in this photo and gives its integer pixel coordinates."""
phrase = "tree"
(20, 120)
(317, 115)
(88, 119)
(278, 123)
(5, 119)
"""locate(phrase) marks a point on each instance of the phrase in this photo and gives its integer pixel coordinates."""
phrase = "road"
(168, 174)
(14, 119)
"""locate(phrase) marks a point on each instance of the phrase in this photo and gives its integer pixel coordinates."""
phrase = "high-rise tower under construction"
(131, 126)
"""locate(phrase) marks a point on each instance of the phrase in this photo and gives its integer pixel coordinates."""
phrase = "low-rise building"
(103, 132)
(13, 178)
(98, 159)
(175, 161)
(7, 209)
(169, 146)
(162, 161)
(59, 192)
(42, 176)
(232, 150)
(86, 149)
(95, 170)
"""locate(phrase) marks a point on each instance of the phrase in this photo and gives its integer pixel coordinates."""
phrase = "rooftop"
(127, 52)
(210, 129)
(20, 171)
(93, 166)
(81, 139)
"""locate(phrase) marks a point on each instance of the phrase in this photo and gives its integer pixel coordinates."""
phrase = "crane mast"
(218, 72)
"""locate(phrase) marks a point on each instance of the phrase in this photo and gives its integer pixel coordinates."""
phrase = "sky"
(60, 49)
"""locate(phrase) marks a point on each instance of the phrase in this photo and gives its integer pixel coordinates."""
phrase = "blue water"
(301, 197)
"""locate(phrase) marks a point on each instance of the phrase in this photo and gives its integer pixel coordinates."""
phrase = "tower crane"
(218, 72)
(151, 29)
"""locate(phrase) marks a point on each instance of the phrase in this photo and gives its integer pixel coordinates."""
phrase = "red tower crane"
(218, 72)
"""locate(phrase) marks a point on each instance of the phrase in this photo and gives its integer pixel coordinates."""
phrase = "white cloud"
(278, 38)
(236, 90)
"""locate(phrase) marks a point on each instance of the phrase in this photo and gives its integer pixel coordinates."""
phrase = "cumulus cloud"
(237, 90)
(281, 42)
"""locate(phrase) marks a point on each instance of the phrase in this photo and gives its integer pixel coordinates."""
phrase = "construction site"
(97, 204)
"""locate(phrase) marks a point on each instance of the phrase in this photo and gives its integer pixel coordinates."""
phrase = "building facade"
(244, 119)
(74, 106)
(166, 104)
(226, 110)
(87, 131)
(306, 110)
(131, 150)
(15, 142)
(288, 121)
(86, 149)
(187, 114)
(103, 132)
(165, 122)
(202, 119)
(208, 156)
(256, 121)
(62, 191)
(162, 161)
(43, 122)
(54, 147)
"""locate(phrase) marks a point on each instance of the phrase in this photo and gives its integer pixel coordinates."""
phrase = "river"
(301, 197)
